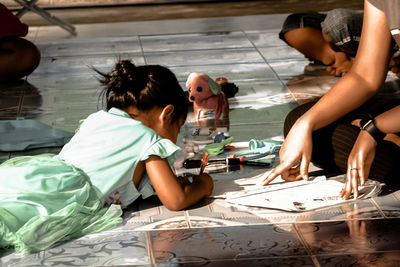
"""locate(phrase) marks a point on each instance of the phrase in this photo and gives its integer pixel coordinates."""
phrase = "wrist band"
(369, 126)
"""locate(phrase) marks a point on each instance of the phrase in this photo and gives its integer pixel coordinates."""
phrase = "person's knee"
(384, 167)
(21, 59)
(343, 139)
(31, 56)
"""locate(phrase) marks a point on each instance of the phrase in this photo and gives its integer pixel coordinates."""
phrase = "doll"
(205, 93)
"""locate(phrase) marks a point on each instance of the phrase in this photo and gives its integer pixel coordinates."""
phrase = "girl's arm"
(355, 88)
(172, 194)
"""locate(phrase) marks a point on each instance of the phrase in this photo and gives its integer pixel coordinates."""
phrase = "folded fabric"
(45, 200)
(19, 135)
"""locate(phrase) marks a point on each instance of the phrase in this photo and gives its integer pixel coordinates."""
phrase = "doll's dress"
(48, 199)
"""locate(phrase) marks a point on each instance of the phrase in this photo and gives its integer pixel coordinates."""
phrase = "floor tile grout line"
(36, 33)
(150, 248)
(20, 103)
(142, 49)
(216, 64)
(305, 245)
(266, 61)
(315, 261)
(396, 195)
(187, 219)
(372, 200)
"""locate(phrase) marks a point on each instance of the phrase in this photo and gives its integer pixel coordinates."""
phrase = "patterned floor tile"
(76, 64)
(386, 259)
(258, 262)
(103, 249)
(277, 53)
(286, 69)
(352, 237)
(234, 72)
(389, 204)
(245, 132)
(224, 243)
(202, 57)
(200, 41)
(89, 46)
(150, 214)
(265, 38)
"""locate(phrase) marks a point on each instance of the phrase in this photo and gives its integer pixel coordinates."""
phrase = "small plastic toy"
(205, 93)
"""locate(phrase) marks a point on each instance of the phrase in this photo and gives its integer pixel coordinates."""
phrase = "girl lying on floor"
(116, 156)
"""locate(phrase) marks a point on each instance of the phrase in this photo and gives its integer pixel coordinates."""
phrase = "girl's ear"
(166, 114)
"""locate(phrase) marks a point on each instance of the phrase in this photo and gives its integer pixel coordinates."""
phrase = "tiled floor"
(271, 80)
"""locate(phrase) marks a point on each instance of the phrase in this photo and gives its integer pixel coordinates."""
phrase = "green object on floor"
(217, 148)
(260, 148)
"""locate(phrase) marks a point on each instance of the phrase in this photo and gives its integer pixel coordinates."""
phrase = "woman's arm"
(389, 121)
(172, 194)
(355, 88)
(365, 77)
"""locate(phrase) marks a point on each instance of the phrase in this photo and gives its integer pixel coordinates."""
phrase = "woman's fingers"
(354, 181)
(282, 169)
(351, 183)
(346, 191)
(275, 173)
(305, 162)
(288, 173)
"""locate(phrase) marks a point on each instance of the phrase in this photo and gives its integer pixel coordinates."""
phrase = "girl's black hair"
(144, 87)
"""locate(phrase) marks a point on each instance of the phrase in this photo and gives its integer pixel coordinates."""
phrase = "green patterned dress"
(48, 199)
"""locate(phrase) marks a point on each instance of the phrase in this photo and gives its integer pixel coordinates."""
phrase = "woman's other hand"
(359, 164)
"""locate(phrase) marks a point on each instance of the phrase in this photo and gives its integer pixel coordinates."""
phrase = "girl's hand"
(205, 182)
(359, 164)
(183, 181)
(296, 148)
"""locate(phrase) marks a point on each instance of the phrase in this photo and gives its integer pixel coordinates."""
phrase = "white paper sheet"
(290, 196)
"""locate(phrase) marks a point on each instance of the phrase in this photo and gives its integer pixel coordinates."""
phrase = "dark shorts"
(343, 26)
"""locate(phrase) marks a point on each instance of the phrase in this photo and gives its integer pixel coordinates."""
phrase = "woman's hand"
(296, 148)
(359, 164)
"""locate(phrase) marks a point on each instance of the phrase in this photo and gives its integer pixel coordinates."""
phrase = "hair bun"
(122, 76)
(125, 68)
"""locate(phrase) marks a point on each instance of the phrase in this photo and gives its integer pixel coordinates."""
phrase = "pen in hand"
(204, 162)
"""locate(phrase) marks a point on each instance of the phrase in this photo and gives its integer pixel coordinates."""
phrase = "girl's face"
(159, 121)
(171, 130)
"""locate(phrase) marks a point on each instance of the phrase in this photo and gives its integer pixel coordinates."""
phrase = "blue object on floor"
(19, 135)
(259, 149)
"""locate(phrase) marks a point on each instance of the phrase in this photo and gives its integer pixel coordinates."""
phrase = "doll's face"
(198, 89)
